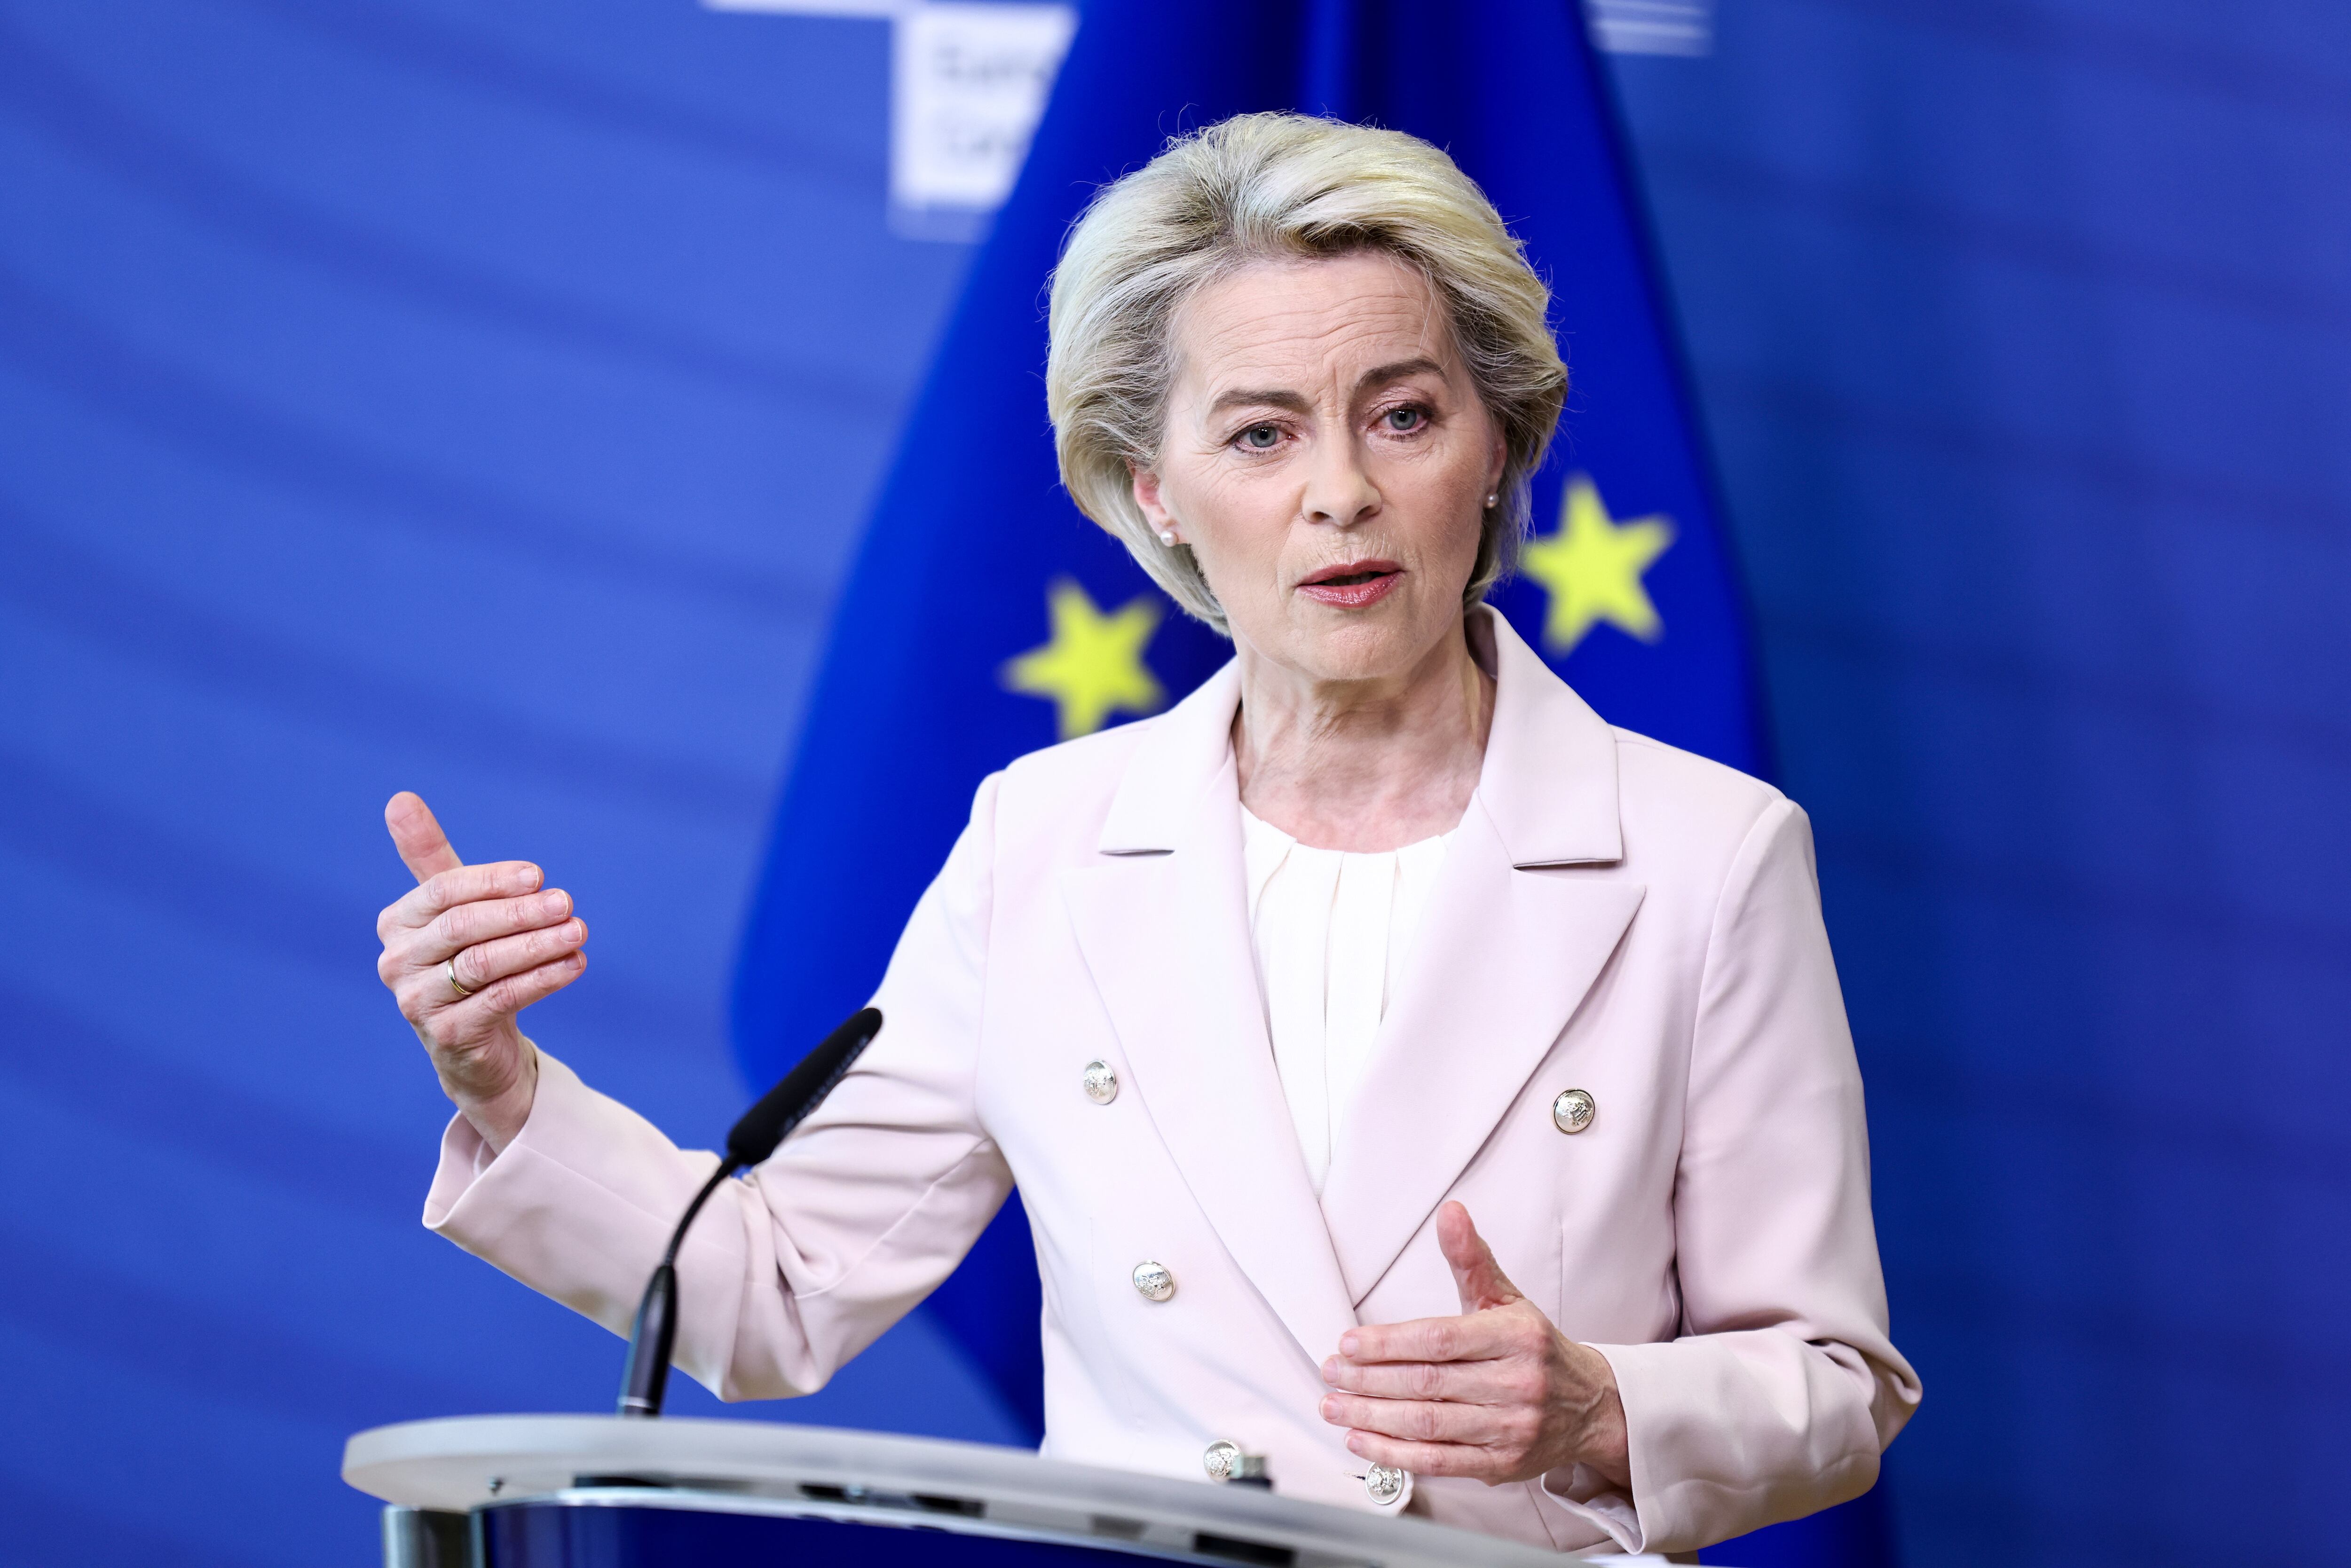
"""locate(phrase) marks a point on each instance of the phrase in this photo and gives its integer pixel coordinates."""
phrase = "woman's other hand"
(506, 943)
(1497, 1393)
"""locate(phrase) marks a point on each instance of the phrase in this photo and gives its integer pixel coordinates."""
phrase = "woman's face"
(1328, 459)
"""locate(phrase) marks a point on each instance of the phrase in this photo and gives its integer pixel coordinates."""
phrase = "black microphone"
(753, 1139)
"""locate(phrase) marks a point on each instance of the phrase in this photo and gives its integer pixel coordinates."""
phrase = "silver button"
(1384, 1484)
(1221, 1459)
(1154, 1280)
(1572, 1111)
(1102, 1082)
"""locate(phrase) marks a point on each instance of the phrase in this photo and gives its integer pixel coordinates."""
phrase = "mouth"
(1353, 584)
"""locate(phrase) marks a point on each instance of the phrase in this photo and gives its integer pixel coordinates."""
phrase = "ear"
(1495, 461)
(1147, 497)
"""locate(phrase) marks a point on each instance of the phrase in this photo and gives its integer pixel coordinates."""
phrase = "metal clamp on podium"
(587, 1491)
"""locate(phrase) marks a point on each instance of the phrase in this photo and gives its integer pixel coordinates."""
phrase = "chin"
(1368, 648)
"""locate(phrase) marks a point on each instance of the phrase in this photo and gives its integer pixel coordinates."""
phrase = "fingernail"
(558, 902)
(1354, 1445)
(529, 875)
(1329, 1407)
(1347, 1345)
(1331, 1370)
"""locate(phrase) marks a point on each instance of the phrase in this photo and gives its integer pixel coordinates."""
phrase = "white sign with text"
(969, 84)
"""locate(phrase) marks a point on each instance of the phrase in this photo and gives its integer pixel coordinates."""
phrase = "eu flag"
(985, 617)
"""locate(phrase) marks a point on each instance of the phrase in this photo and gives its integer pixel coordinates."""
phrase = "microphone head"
(803, 1089)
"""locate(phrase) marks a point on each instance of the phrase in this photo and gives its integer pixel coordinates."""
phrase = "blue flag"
(985, 617)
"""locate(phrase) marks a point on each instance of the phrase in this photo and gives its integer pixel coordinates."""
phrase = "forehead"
(1292, 320)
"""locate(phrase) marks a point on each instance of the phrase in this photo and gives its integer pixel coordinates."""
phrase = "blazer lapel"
(1163, 921)
(1509, 947)
(1502, 959)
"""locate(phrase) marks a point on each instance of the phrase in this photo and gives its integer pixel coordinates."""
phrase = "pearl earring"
(1492, 499)
(1168, 537)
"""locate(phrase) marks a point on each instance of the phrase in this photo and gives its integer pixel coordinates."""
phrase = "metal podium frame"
(461, 1465)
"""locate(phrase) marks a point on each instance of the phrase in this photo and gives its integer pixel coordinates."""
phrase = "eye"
(1260, 437)
(1405, 420)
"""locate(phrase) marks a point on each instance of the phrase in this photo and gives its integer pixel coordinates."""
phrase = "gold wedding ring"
(456, 985)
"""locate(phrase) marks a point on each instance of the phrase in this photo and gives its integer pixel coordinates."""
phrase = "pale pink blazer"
(1614, 915)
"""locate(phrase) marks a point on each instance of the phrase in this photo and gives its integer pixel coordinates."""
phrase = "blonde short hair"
(1261, 187)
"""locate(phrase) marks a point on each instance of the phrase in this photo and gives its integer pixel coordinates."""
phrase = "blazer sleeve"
(791, 1271)
(1784, 1389)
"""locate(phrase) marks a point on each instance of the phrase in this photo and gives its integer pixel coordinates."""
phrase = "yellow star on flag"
(1095, 662)
(1592, 568)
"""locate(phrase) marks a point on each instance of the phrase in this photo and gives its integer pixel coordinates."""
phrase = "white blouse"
(1332, 932)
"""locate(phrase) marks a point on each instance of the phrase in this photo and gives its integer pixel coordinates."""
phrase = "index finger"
(1475, 1338)
(462, 884)
(416, 834)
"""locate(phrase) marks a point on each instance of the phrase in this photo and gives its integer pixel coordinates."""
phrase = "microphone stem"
(677, 1238)
(654, 1334)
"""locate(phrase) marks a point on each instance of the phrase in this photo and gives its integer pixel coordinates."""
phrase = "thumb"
(1476, 1275)
(416, 834)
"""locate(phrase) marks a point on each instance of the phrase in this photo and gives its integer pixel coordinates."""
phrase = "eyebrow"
(1241, 397)
(1295, 403)
(1380, 375)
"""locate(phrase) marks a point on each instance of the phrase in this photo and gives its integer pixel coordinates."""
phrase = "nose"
(1339, 489)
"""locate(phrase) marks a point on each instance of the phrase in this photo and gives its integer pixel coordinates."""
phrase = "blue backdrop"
(483, 401)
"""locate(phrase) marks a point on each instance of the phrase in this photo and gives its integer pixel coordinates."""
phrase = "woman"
(1409, 1080)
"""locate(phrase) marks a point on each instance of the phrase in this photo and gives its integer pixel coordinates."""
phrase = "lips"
(1352, 585)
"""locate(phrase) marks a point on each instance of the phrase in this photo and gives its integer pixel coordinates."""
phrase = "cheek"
(1446, 529)
(1442, 504)
(1239, 524)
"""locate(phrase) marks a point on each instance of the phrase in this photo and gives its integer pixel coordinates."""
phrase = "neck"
(1363, 766)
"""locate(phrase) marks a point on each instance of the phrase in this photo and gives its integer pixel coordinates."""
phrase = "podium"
(590, 1491)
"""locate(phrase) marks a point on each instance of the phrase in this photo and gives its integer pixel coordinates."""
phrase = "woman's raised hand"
(468, 949)
(1498, 1393)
